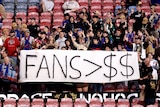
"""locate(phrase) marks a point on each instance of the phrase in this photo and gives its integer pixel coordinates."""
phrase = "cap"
(12, 31)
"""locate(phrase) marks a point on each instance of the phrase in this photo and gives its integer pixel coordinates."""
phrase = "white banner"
(78, 66)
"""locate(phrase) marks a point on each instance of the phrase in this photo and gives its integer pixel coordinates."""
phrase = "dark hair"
(19, 19)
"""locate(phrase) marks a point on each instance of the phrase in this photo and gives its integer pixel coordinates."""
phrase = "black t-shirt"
(34, 30)
(96, 27)
(138, 16)
(144, 71)
(150, 89)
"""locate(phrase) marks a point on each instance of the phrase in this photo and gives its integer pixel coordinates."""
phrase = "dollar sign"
(110, 66)
(126, 65)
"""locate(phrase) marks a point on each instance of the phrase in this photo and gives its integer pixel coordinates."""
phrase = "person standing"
(33, 28)
(138, 17)
(11, 45)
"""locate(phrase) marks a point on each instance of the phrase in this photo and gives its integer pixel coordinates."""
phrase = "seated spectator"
(70, 6)
(47, 6)
(7, 72)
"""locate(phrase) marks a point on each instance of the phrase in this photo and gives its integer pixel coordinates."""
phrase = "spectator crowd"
(127, 28)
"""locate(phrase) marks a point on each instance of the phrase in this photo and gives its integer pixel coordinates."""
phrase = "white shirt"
(48, 4)
(69, 5)
(61, 42)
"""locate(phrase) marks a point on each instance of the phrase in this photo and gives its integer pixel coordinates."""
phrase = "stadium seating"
(9, 7)
(95, 102)
(80, 103)
(109, 102)
(109, 88)
(37, 102)
(22, 15)
(22, 102)
(9, 103)
(52, 103)
(123, 103)
(137, 105)
(66, 102)
(33, 2)
(83, 3)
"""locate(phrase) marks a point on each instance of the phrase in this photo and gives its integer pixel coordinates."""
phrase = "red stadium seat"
(52, 103)
(22, 15)
(108, 2)
(57, 8)
(7, 22)
(135, 101)
(9, 103)
(45, 15)
(23, 102)
(33, 9)
(118, 2)
(145, 3)
(146, 8)
(157, 8)
(109, 102)
(80, 103)
(95, 102)
(37, 102)
(123, 103)
(83, 3)
(152, 105)
(6, 27)
(34, 15)
(96, 2)
(121, 88)
(109, 88)
(66, 102)
(137, 105)
(59, 2)
(107, 8)
(9, 15)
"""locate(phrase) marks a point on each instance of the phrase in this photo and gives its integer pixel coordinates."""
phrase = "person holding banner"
(8, 74)
(146, 77)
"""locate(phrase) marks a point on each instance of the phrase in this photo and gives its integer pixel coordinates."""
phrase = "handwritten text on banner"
(78, 66)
